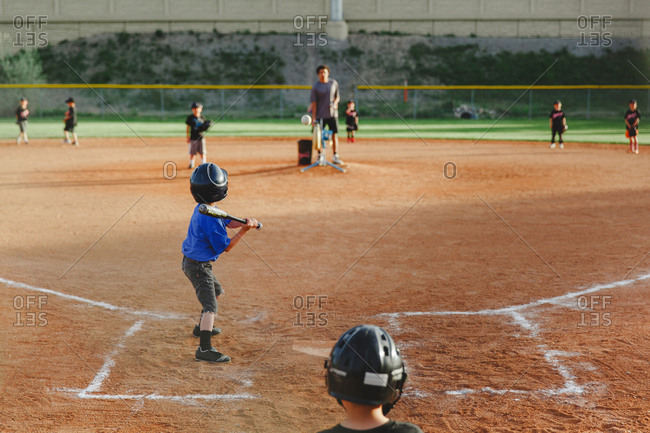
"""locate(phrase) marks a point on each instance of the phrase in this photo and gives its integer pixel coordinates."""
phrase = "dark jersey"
(195, 124)
(21, 114)
(390, 427)
(558, 119)
(351, 119)
(71, 116)
(632, 117)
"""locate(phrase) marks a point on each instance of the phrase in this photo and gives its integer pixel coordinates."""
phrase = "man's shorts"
(332, 122)
(205, 284)
(197, 146)
(22, 125)
(69, 127)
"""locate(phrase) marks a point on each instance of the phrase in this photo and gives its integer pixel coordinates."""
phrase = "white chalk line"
(99, 304)
(174, 398)
(91, 391)
(515, 312)
(105, 371)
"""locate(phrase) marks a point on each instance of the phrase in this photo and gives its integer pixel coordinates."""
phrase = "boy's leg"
(25, 137)
(553, 139)
(203, 152)
(207, 290)
(75, 141)
(559, 136)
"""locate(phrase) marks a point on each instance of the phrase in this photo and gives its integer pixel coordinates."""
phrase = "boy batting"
(206, 239)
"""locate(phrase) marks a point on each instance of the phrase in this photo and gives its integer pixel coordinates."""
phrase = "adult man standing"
(325, 105)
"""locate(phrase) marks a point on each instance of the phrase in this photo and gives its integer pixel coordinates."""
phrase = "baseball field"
(514, 279)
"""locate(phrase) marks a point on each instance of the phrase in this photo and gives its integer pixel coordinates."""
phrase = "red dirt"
(518, 223)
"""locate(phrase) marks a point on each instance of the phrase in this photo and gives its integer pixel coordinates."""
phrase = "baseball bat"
(218, 213)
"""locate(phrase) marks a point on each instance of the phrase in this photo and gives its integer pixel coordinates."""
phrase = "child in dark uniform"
(351, 120)
(632, 117)
(196, 126)
(21, 119)
(557, 122)
(70, 121)
(206, 239)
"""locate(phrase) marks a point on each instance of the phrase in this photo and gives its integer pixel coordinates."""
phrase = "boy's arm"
(550, 123)
(313, 113)
(187, 132)
(250, 223)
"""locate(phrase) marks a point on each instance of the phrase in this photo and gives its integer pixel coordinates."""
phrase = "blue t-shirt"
(207, 237)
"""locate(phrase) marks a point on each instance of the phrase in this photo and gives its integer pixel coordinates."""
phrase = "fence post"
(415, 103)
(101, 100)
(530, 104)
(471, 100)
(588, 103)
(281, 105)
(162, 104)
(223, 103)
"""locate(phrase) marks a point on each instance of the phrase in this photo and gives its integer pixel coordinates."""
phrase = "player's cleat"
(76, 143)
(552, 145)
(336, 159)
(630, 151)
(321, 158)
(636, 151)
(211, 355)
(191, 166)
(197, 331)
(66, 141)
(561, 146)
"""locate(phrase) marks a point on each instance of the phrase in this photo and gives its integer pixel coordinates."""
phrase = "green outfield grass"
(599, 131)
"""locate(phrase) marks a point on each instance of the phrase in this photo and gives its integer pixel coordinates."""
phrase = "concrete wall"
(70, 19)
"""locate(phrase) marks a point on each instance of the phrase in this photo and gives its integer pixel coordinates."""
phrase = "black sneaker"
(211, 355)
(197, 331)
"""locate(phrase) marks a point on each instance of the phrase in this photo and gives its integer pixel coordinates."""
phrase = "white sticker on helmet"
(339, 372)
(375, 379)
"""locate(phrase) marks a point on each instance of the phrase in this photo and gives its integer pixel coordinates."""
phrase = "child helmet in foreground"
(209, 183)
(365, 367)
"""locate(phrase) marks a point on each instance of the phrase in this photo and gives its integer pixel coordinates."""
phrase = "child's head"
(365, 368)
(196, 108)
(70, 102)
(557, 104)
(23, 102)
(209, 183)
(632, 104)
(351, 105)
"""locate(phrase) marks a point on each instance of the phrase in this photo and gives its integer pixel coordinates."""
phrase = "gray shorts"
(197, 146)
(205, 284)
(22, 125)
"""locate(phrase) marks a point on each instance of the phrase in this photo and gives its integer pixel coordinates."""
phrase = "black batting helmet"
(365, 367)
(209, 183)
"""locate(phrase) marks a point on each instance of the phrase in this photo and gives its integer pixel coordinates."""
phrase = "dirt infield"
(514, 278)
